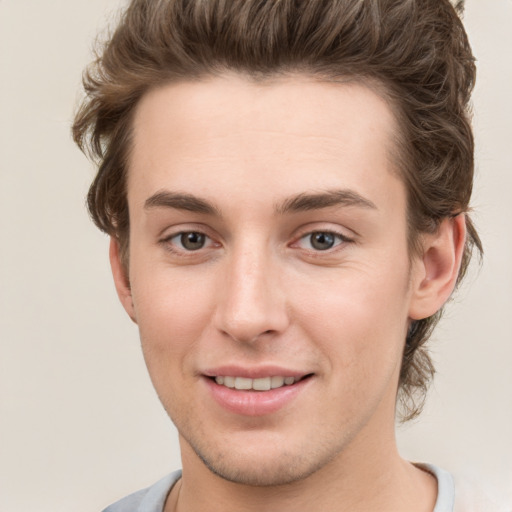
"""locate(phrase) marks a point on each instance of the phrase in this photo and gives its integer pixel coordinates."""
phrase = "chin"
(272, 473)
(270, 466)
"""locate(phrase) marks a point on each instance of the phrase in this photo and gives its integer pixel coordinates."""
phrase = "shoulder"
(471, 496)
(457, 494)
(151, 499)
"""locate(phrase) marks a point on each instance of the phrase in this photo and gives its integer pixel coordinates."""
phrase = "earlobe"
(121, 279)
(436, 271)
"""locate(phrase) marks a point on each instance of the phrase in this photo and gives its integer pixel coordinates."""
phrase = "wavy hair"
(415, 53)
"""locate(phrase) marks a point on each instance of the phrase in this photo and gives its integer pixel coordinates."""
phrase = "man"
(286, 187)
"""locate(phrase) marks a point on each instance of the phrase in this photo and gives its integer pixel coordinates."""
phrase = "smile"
(261, 384)
(257, 396)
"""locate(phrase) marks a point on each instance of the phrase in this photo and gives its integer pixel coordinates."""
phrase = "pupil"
(192, 241)
(322, 241)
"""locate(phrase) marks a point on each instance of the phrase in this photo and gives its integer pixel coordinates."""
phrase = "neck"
(368, 475)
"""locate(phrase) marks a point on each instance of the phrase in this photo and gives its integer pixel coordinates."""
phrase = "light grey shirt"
(152, 499)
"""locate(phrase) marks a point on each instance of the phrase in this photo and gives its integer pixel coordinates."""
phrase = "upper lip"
(253, 372)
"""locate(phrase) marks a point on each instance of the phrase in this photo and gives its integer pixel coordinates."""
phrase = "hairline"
(397, 159)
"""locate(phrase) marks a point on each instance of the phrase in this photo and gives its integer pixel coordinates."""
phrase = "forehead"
(285, 135)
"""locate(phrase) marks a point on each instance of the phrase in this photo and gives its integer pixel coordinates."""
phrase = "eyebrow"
(180, 201)
(327, 199)
(299, 203)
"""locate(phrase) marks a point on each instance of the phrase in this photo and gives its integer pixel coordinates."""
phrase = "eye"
(321, 240)
(189, 240)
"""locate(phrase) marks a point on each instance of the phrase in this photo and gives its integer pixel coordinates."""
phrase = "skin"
(258, 293)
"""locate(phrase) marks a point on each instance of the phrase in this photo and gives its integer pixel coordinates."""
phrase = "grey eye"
(322, 241)
(192, 241)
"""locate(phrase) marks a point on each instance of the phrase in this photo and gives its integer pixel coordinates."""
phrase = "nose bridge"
(251, 302)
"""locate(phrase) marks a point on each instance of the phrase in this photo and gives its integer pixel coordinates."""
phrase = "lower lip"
(255, 403)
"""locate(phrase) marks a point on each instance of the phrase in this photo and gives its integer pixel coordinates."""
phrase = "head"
(412, 54)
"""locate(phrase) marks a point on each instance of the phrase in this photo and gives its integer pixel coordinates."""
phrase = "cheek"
(359, 322)
(172, 311)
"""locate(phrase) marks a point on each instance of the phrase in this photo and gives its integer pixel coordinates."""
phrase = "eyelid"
(340, 239)
(176, 231)
(344, 233)
(181, 233)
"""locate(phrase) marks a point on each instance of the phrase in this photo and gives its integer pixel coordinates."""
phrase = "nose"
(251, 301)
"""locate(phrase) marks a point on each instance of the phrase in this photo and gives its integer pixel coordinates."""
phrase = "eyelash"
(338, 240)
(171, 246)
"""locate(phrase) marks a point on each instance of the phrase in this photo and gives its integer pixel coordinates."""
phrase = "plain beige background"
(80, 425)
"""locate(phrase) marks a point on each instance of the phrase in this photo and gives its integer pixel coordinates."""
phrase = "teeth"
(229, 382)
(276, 382)
(243, 383)
(262, 384)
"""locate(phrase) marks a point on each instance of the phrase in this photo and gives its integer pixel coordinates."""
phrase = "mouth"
(256, 391)
(258, 384)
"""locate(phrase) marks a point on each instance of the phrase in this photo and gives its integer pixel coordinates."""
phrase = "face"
(269, 272)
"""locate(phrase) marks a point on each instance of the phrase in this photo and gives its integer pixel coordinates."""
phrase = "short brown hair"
(416, 51)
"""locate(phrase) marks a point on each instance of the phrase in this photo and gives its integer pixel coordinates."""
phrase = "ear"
(121, 279)
(435, 271)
